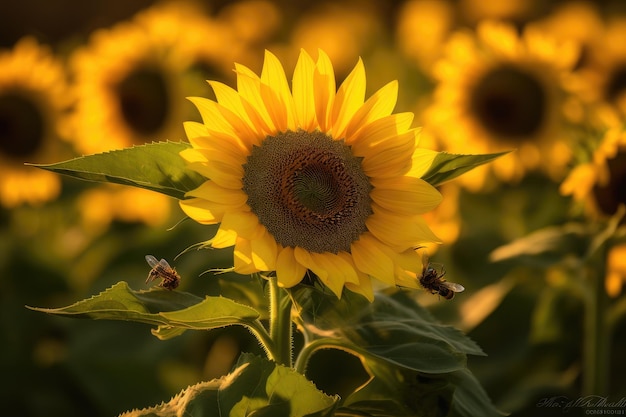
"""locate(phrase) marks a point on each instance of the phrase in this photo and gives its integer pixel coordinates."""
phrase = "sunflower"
(311, 178)
(499, 91)
(33, 101)
(603, 77)
(129, 78)
(599, 183)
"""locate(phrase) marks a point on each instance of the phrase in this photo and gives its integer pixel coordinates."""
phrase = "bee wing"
(152, 261)
(454, 286)
(164, 264)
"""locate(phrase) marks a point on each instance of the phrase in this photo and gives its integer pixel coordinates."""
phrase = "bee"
(432, 280)
(161, 269)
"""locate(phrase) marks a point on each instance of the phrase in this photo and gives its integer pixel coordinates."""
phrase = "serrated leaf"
(392, 328)
(156, 166)
(171, 311)
(447, 166)
(265, 388)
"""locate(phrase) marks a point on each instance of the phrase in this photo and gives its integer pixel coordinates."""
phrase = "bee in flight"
(432, 280)
(162, 269)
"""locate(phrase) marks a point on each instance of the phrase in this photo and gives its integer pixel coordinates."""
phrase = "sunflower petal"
(324, 81)
(405, 195)
(371, 259)
(348, 100)
(242, 256)
(379, 105)
(304, 92)
(399, 232)
(289, 271)
(276, 94)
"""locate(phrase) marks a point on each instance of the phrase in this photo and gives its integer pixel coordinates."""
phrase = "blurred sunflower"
(33, 101)
(423, 27)
(312, 178)
(499, 91)
(603, 77)
(131, 81)
(599, 183)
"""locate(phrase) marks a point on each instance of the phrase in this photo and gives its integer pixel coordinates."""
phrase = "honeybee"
(432, 280)
(162, 269)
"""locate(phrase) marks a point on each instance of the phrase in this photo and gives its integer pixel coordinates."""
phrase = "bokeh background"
(546, 78)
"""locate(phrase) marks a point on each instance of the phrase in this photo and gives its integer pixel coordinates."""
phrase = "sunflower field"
(313, 208)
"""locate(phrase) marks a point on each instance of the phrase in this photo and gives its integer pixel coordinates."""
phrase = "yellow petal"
(381, 129)
(304, 93)
(228, 198)
(242, 257)
(276, 94)
(324, 81)
(212, 116)
(202, 211)
(371, 259)
(399, 232)
(379, 105)
(323, 266)
(405, 195)
(249, 87)
(237, 224)
(192, 155)
(289, 271)
(390, 158)
(348, 100)
(422, 160)
(264, 252)
(194, 130)
(230, 99)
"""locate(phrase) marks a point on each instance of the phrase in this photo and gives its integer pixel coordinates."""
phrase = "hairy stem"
(280, 323)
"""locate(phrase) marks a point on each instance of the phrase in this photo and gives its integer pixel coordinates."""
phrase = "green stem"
(596, 331)
(264, 338)
(310, 348)
(280, 323)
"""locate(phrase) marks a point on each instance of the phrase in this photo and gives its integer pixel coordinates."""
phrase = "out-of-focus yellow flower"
(499, 91)
(343, 30)
(602, 79)
(33, 101)
(518, 11)
(312, 178)
(130, 79)
(615, 270)
(423, 27)
(600, 182)
(100, 206)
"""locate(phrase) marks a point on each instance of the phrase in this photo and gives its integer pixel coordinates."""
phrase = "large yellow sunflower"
(33, 101)
(499, 91)
(312, 178)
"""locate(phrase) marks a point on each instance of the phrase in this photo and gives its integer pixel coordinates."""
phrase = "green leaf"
(392, 328)
(447, 166)
(172, 311)
(265, 388)
(156, 166)
(256, 387)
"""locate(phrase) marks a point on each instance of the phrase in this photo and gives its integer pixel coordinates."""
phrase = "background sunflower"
(130, 66)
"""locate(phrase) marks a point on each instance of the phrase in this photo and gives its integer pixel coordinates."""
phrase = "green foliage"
(447, 166)
(156, 167)
(256, 387)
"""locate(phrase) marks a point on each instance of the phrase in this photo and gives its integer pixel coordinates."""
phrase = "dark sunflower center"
(144, 100)
(616, 85)
(509, 102)
(308, 190)
(22, 125)
(614, 193)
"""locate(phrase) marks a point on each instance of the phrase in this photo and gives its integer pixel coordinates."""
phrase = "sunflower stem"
(302, 361)
(596, 329)
(280, 323)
